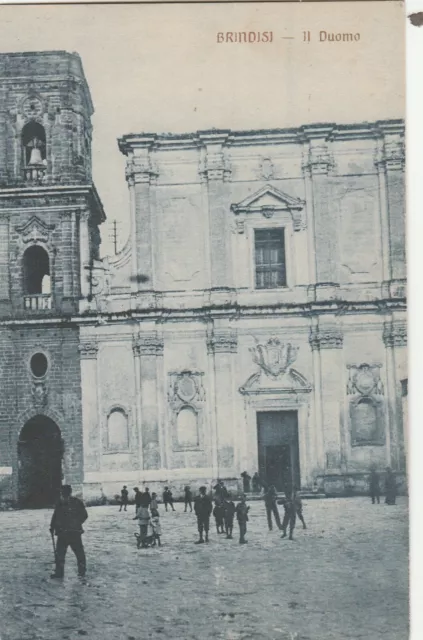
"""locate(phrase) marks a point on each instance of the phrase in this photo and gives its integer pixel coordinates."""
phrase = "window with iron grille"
(270, 258)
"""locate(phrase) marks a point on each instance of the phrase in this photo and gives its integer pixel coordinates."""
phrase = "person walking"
(124, 498)
(188, 498)
(242, 516)
(374, 486)
(390, 487)
(270, 498)
(246, 479)
(66, 523)
(168, 498)
(289, 517)
(203, 507)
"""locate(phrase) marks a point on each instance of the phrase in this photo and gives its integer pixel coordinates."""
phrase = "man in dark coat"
(246, 478)
(123, 498)
(257, 483)
(203, 507)
(374, 486)
(187, 498)
(390, 487)
(66, 524)
(145, 499)
(138, 498)
(270, 498)
(168, 498)
(242, 516)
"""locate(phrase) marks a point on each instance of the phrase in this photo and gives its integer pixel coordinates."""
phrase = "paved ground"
(343, 578)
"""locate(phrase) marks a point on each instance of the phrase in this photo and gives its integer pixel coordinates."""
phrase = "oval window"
(39, 365)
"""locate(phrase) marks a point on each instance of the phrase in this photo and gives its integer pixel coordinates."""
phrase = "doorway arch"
(40, 452)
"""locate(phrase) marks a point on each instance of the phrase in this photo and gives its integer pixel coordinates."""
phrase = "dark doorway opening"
(278, 452)
(40, 463)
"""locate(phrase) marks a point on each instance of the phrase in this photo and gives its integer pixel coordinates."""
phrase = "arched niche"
(117, 429)
(367, 421)
(187, 427)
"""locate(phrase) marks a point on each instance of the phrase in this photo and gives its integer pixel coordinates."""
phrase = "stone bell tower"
(49, 239)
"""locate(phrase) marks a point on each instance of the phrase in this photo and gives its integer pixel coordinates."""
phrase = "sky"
(159, 68)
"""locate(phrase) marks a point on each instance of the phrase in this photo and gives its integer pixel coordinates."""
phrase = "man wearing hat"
(203, 508)
(66, 524)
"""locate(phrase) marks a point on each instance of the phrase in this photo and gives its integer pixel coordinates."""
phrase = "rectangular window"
(270, 258)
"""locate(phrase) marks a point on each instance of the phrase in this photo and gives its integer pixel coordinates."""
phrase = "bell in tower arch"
(35, 156)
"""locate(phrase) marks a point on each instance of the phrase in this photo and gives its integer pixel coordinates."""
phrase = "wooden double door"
(278, 451)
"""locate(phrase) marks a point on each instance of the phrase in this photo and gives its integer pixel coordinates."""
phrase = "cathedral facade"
(255, 319)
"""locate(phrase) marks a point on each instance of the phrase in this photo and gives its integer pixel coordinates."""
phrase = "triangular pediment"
(289, 382)
(268, 197)
(35, 230)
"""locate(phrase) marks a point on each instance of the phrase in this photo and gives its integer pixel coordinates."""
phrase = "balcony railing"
(35, 173)
(39, 302)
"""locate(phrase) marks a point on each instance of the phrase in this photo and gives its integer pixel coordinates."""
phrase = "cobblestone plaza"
(344, 577)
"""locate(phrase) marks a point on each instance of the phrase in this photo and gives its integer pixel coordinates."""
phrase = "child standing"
(143, 517)
(242, 516)
(168, 498)
(124, 498)
(299, 507)
(219, 513)
(229, 513)
(154, 504)
(155, 523)
(290, 515)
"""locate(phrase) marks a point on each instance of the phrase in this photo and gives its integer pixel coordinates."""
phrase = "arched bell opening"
(36, 271)
(40, 452)
(34, 144)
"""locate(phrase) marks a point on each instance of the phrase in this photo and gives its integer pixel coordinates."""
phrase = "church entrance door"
(40, 463)
(278, 453)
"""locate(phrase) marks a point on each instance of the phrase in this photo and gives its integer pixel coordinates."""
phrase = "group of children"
(224, 513)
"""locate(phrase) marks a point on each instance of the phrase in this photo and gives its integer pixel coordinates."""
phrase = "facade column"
(326, 244)
(4, 261)
(215, 170)
(327, 339)
(140, 175)
(84, 252)
(392, 162)
(221, 347)
(395, 340)
(91, 429)
(150, 348)
(138, 405)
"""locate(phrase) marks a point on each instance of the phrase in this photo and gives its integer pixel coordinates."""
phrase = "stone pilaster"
(215, 172)
(84, 253)
(221, 347)
(141, 175)
(391, 163)
(91, 428)
(149, 347)
(326, 343)
(316, 167)
(4, 261)
(395, 340)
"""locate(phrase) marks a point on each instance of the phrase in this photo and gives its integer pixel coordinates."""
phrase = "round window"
(39, 365)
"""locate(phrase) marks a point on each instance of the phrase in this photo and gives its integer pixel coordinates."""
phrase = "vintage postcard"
(203, 322)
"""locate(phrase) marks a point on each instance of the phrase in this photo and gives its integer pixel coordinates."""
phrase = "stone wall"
(57, 396)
